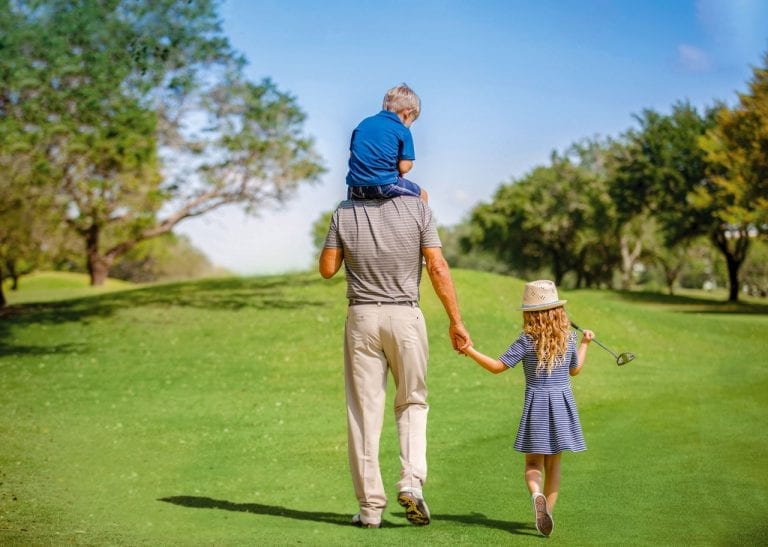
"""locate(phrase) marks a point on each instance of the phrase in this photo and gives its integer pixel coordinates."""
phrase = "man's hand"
(459, 337)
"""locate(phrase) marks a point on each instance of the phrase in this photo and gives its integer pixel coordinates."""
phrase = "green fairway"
(49, 286)
(212, 413)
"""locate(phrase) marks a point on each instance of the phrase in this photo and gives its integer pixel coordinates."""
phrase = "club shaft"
(595, 340)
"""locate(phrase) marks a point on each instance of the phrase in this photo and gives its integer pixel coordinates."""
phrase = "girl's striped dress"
(550, 421)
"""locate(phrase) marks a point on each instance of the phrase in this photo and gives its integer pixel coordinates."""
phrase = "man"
(382, 244)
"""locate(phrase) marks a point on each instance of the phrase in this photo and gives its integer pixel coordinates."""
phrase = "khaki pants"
(377, 338)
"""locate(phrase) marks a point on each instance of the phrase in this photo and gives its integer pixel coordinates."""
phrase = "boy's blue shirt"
(377, 144)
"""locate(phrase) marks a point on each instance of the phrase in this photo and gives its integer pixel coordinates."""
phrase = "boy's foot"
(544, 522)
(416, 510)
(357, 520)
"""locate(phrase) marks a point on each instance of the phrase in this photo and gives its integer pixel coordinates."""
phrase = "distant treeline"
(680, 199)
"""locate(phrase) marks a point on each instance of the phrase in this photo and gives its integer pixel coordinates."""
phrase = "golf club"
(621, 359)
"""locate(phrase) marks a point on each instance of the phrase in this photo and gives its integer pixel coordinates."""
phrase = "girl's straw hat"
(540, 295)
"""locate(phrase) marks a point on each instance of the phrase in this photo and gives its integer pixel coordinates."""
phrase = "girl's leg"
(534, 469)
(551, 479)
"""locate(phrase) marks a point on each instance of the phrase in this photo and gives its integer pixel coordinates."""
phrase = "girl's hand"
(587, 336)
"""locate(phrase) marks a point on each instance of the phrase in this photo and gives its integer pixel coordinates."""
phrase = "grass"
(52, 286)
(212, 412)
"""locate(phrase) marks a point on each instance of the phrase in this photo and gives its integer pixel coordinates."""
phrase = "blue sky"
(502, 84)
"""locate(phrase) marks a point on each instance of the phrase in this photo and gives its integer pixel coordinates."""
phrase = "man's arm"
(330, 261)
(442, 282)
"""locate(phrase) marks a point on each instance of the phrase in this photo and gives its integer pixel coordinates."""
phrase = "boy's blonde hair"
(549, 330)
(401, 98)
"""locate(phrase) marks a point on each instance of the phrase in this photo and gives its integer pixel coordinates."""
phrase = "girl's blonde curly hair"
(549, 330)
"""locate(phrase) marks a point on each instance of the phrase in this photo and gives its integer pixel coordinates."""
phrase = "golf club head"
(625, 358)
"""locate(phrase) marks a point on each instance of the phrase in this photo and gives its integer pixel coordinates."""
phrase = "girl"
(550, 420)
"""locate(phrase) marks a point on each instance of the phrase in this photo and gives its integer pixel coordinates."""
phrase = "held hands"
(460, 338)
(587, 336)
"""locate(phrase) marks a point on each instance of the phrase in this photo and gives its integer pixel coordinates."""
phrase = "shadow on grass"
(480, 519)
(338, 519)
(692, 304)
(229, 294)
(7, 349)
(261, 509)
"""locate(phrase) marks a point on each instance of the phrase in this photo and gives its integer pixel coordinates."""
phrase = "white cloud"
(693, 59)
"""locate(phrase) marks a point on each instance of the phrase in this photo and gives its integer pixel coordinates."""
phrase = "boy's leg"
(368, 192)
(403, 187)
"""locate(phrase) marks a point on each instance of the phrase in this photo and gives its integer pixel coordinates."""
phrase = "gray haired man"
(382, 244)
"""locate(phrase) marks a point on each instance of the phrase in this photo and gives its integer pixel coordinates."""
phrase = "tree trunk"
(579, 279)
(733, 278)
(558, 271)
(3, 301)
(98, 269)
(98, 265)
(671, 276)
(734, 245)
(671, 268)
(628, 259)
(10, 267)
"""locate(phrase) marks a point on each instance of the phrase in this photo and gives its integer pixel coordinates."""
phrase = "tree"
(672, 261)
(24, 209)
(167, 257)
(598, 239)
(497, 227)
(665, 171)
(459, 253)
(145, 117)
(755, 272)
(736, 150)
(703, 265)
(556, 217)
(638, 239)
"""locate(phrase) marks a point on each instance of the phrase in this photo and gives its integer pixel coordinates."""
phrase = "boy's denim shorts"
(403, 187)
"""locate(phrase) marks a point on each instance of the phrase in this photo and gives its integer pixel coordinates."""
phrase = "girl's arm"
(581, 352)
(488, 363)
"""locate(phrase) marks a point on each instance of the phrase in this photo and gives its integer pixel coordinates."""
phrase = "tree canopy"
(128, 117)
(556, 217)
(654, 191)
